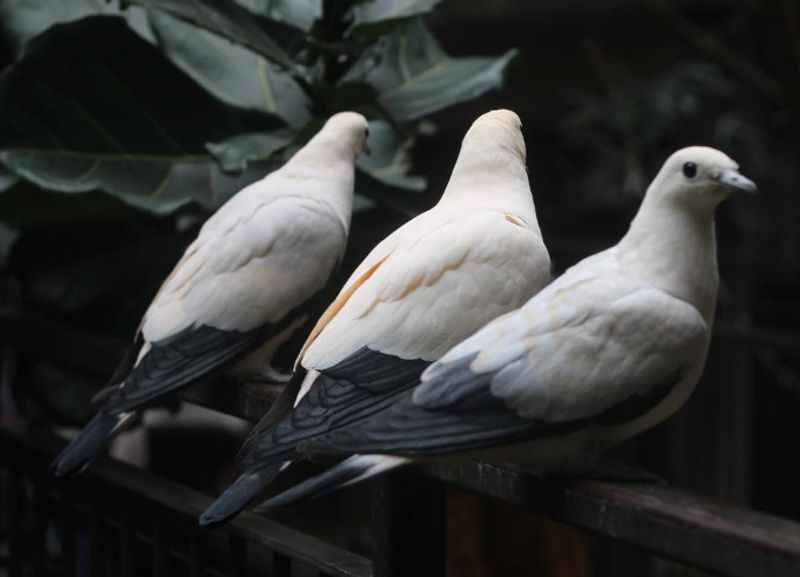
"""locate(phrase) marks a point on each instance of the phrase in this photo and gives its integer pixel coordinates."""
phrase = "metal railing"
(115, 512)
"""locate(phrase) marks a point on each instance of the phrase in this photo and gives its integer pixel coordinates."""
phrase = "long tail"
(236, 497)
(349, 472)
(89, 444)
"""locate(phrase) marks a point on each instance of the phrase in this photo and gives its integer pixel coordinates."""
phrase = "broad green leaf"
(123, 120)
(388, 160)
(237, 153)
(380, 11)
(236, 75)
(232, 73)
(21, 20)
(299, 13)
(159, 184)
(226, 18)
(374, 192)
(414, 77)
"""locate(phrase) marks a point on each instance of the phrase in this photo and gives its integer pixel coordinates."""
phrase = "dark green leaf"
(380, 11)
(371, 191)
(388, 159)
(226, 18)
(124, 120)
(348, 96)
(236, 153)
(299, 13)
(160, 184)
(232, 73)
(414, 77)
(21, 21)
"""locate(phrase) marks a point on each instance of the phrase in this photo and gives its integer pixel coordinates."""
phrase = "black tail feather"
(349, 472)
(89, 444)
(236, 497)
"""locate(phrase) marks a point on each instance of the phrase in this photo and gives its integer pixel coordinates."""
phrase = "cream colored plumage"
(612, 347)
(477, 254)
(241, 287)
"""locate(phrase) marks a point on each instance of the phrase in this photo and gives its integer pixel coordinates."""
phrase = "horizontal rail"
(22, 444)
(669, 522)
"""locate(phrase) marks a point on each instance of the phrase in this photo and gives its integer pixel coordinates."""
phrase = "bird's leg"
(257, 367)
(265, 375)
(269, 374)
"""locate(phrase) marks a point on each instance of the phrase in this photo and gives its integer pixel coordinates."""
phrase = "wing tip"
(351, 471)
(238, 496)
(88, 445)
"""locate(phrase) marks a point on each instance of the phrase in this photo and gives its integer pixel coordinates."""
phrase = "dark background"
(606, 91)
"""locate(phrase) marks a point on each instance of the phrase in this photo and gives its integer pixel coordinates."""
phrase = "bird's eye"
(366, 133)
(689, 169)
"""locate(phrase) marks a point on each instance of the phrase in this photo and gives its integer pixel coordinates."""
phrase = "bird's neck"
(326, 178)
(494, 178)
(674, 250)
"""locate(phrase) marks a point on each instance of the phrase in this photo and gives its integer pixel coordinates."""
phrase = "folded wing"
(250, 274)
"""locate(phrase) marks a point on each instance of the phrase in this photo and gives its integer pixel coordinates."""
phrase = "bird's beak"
(367, 151)
(732, 179)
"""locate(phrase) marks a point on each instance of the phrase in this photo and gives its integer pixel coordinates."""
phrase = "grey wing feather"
(359, 386)
(473, 421)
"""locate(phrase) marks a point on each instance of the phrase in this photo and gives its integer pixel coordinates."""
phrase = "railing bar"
(196, 554)
(97, 564)
(408, 523)
(127, 537)
(68, 529)
(237, 548)
(690, 529)
(38, 549)
(15, 514)
(281, 565)
(160, 550)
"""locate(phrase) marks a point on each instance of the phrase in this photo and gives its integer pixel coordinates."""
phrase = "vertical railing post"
(408, 522)
(237, 548)
(197, 546)
(15, 525)
(127, 545)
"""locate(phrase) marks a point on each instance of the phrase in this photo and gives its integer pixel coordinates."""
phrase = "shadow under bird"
(242, 288)
(611, 348)
(475, 255)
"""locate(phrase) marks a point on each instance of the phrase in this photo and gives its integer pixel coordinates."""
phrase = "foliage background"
(606, 91)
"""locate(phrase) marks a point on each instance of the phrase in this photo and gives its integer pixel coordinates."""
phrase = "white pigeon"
(475, 255)
(611, 348)
(243, 287)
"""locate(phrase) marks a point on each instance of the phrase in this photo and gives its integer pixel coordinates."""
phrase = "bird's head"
(700, 177)
(497, 129)
(347, 128)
